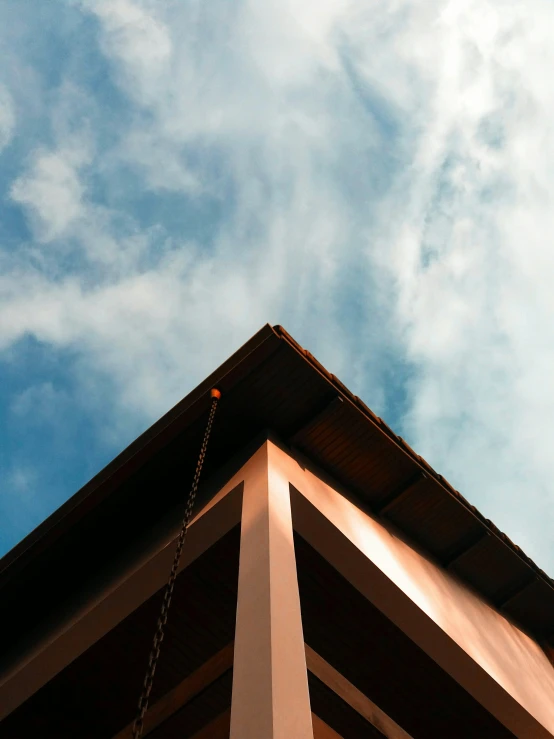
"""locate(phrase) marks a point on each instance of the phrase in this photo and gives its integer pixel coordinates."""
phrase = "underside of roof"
(273, 384)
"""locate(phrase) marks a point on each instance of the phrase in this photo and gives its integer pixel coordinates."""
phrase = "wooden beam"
(191, 686)
(216, 729)
(466, 547)
(336, 682)
(270, 682)
(516, 592)
(400, 493)
(323, 730)
(330, 408)
(133, 580)
(432, 607)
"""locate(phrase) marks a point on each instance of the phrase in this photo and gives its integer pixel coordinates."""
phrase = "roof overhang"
(272, 383)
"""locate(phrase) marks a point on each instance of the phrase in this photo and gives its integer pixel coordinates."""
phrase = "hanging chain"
(138, 725)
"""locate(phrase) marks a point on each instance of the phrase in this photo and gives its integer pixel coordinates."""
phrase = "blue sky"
(378, 178)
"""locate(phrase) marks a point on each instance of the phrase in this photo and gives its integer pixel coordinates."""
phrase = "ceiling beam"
(428, 604)
(350, 694)
(121, 592)
(216, 729)
(185, 691)
(323, 730)
(466, 546)
(516, 592)
(323, 413)
(399, 494)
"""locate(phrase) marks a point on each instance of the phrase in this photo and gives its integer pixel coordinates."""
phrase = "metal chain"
(138, 725)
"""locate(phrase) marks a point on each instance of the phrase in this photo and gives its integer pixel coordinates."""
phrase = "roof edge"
(407, 449)
(117, 466)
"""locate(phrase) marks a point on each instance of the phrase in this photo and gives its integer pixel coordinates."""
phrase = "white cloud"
(7, 117)
(274, 153)
(52, 193)
(140, 43)
(471, 260)
(38, 402)
(396, 158)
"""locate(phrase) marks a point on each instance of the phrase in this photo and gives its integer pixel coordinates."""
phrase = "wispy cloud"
(7, 117)
(376, 178)
(51, 193)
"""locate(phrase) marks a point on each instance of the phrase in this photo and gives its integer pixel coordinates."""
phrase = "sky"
(376, 177)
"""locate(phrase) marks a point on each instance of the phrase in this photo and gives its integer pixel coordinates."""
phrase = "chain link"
(138, 725)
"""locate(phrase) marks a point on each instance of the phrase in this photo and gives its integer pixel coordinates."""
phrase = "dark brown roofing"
(271, 383)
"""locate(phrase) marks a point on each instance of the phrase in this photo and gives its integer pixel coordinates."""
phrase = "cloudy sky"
(378, 177)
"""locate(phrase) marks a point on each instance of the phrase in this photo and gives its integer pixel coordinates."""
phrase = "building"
(331, 585)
